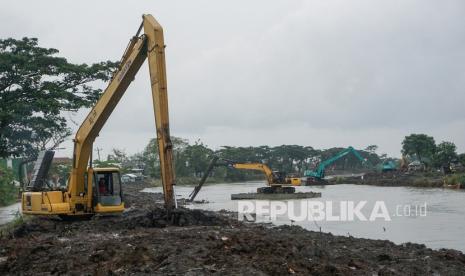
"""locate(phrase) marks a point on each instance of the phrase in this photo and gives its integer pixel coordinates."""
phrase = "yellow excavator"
(278, 182)
(98, 190)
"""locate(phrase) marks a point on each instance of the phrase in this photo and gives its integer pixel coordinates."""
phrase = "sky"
(330, 73)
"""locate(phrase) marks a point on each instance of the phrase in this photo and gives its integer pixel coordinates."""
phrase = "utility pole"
(98, 153)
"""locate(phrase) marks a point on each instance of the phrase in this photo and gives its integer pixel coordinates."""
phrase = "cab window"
(107, 183)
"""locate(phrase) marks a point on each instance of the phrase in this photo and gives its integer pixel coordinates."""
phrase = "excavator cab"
(107, 195)
(280, 177)
(284, 178)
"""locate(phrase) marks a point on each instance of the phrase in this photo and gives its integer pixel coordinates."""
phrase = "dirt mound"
(146, 240)
(158, 217)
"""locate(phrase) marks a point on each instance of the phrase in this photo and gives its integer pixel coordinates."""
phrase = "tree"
(36, 87)
(445, 153)
(59, 173)
(8, 191)
(118, 156)
(151, 159)
(420, 146)
(461, 158)
(371, 148)
(196, 159)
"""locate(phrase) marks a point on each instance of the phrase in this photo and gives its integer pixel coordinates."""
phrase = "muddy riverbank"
(144, 241)
(393, 179)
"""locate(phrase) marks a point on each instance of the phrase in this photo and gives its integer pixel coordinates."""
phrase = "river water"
(435, 217)
(441, 226)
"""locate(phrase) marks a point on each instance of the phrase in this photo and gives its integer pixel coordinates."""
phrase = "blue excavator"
(319, 174)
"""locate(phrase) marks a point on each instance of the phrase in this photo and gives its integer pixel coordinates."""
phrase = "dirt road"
(193, 242)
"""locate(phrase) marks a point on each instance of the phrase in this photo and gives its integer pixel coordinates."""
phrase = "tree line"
(424, 149)
(191, 160)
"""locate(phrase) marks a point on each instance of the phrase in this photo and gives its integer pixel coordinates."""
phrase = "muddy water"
(443, 226)
(8, 213)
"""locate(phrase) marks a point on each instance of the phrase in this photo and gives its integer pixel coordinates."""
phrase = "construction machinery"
(388, 166)
(278, 182)
(98, 190)
(319, 173)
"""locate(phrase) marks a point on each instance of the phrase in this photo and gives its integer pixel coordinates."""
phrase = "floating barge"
(283, 196)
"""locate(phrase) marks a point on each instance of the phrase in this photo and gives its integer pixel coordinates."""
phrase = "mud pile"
(145, 240)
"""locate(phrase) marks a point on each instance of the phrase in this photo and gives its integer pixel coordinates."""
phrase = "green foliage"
(289, 158)
(117, 158)
(59, 173)
(192, 160)
(420, 146)
(151, 159)
(36, 87)
(105, 164)
(8, 191)
(455, 179)
(445, 153)
(461, 158)
(371, 148)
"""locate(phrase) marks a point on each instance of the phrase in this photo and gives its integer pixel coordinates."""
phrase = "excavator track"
(276, 190)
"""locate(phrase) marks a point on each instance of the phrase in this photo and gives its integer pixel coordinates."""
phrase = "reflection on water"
(442, 227)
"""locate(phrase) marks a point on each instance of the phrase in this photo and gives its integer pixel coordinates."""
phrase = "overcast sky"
(317, 73)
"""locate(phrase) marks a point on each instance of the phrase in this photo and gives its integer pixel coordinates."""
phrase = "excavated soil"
(143, 240)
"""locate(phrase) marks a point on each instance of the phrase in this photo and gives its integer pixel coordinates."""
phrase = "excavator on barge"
(278, 183)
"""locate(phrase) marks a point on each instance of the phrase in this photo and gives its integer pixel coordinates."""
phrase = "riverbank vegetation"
(191, 160)
(8, 190)
(455, 179)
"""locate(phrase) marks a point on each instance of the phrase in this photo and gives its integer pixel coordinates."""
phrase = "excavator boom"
(319, 173)
(257, 167)
(150, 45)
(80, 195)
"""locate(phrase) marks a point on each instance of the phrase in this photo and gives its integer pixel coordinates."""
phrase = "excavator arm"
(149, 46)
(320, 172)
(257, 167)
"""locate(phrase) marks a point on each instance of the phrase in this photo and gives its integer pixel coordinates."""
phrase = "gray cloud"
(320, 73)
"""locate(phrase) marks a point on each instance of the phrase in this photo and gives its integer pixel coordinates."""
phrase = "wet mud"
(145, 240)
